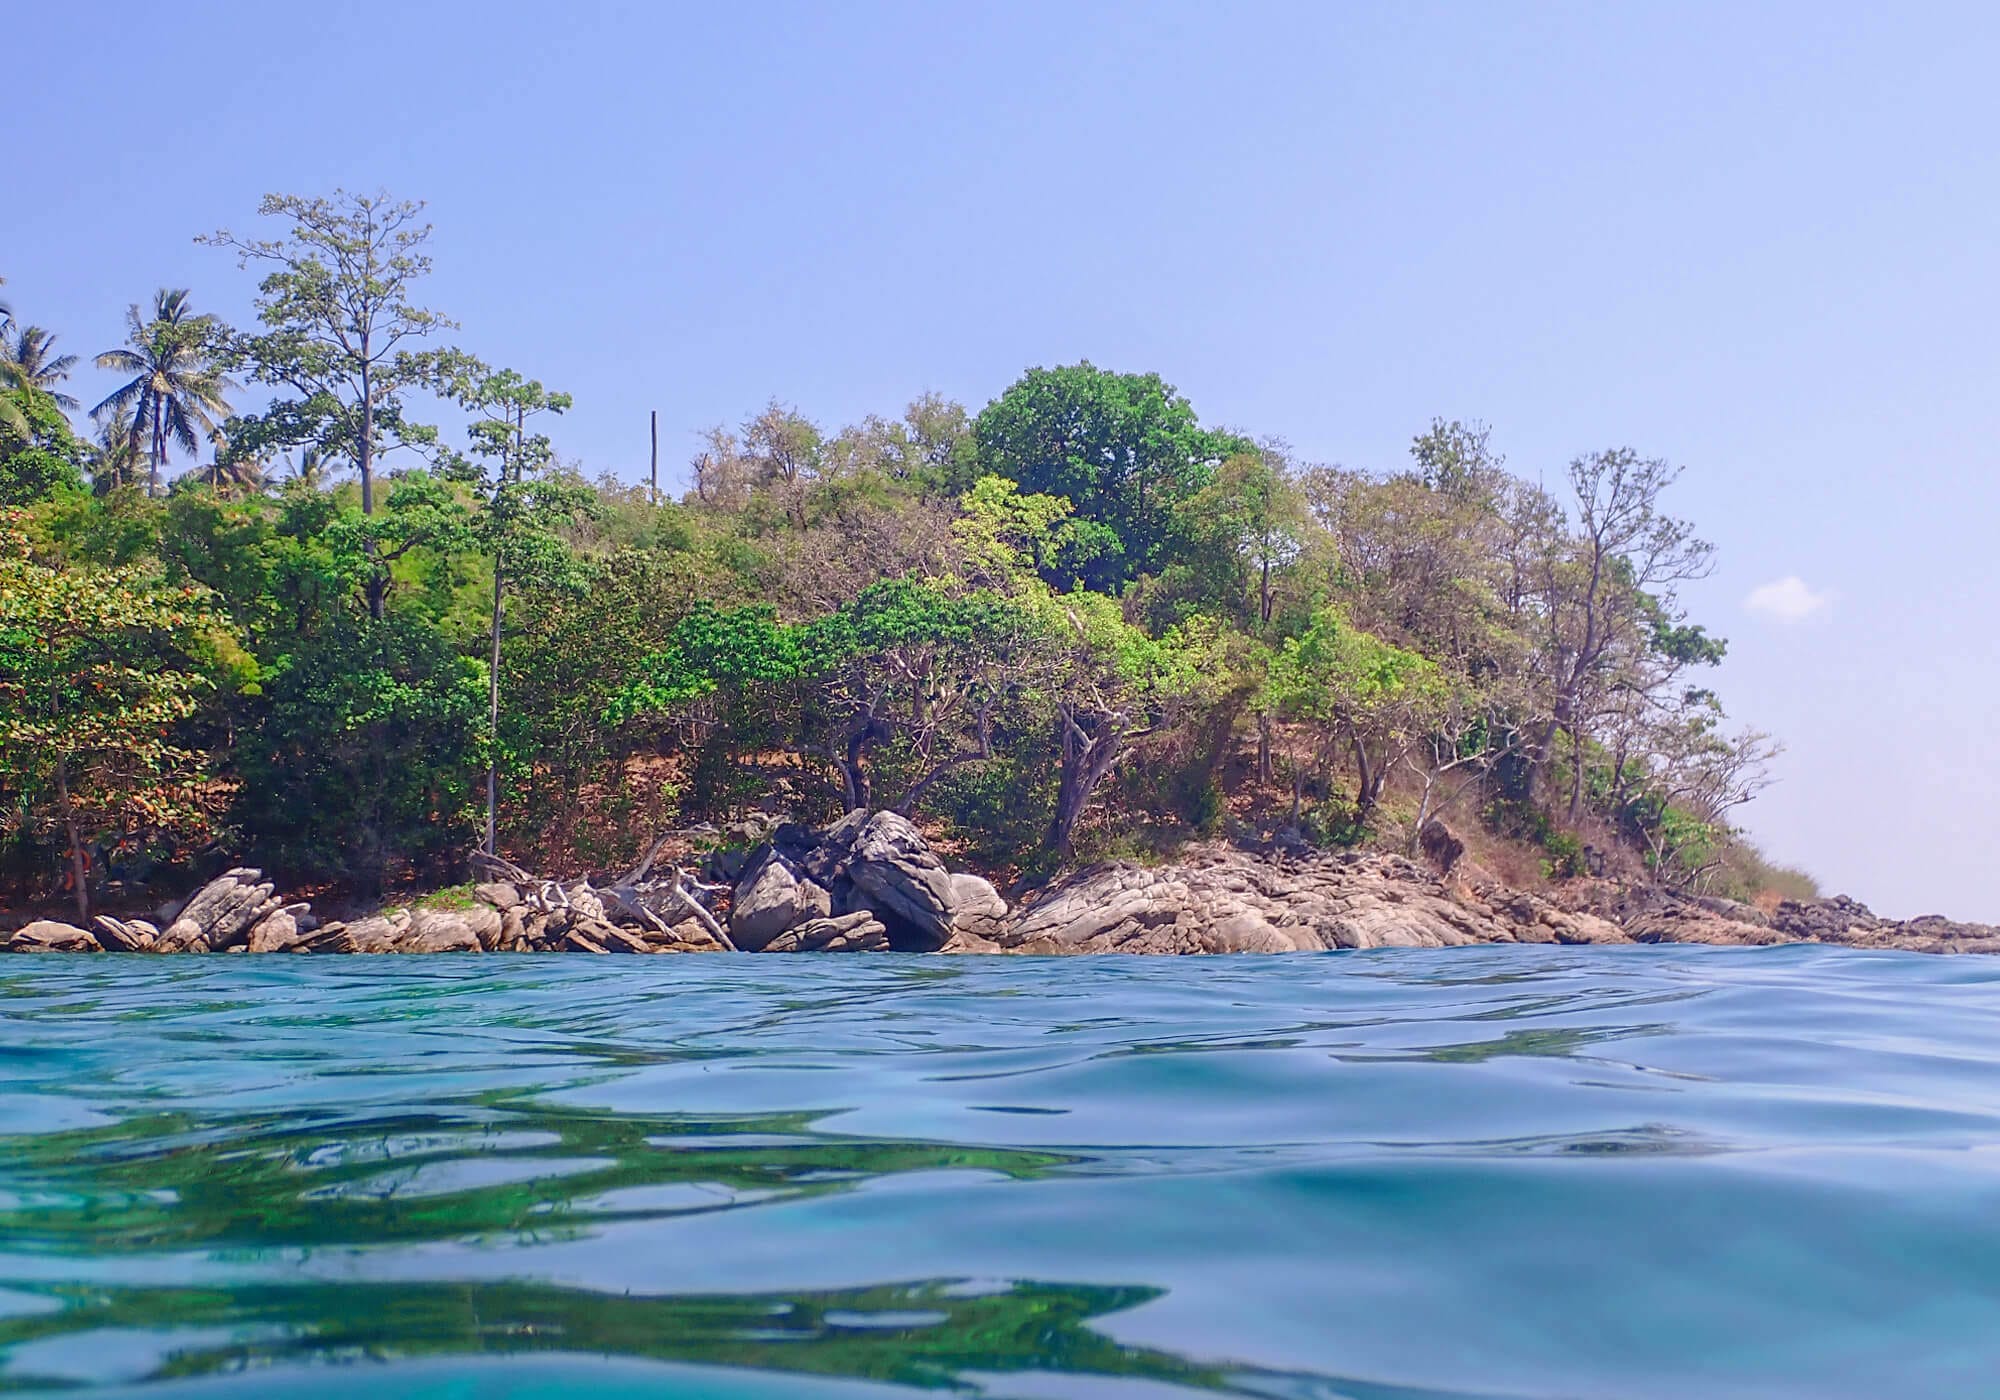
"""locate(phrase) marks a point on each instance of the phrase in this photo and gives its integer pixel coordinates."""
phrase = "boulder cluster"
(871, 883)
(868, 883)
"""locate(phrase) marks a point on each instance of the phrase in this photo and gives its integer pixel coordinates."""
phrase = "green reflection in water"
(921, 1334)
(481, 1168)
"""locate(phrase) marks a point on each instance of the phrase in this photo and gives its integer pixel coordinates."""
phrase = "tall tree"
(1124, 449)
(28, 360)
(1609, 592)
(176, 391)
(97, 666)
(336, 304)
(525, 503)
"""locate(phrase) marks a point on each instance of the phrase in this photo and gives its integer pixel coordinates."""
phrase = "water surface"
(1476, 1172)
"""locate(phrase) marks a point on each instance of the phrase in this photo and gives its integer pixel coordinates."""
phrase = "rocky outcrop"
(50, 936)
(859, 932)
(1227, 901)
(772, 897)
(1223, 900)
(871, 883)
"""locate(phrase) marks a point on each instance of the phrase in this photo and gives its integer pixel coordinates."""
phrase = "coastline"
(872, 883)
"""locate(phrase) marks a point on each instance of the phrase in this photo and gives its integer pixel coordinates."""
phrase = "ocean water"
(1643, 1172)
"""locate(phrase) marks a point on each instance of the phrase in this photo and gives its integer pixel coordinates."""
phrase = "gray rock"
(277, 932)
(977, 907)
(859, 932)
(772, 899)
(123, 935)
(437, 931)
(52, 936)
(498, 894)
(900, 879)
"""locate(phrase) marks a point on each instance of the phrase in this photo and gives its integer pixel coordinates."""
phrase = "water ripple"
(1483, 1172)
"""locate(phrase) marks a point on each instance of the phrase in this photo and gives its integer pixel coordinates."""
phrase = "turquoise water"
(1478, 1172)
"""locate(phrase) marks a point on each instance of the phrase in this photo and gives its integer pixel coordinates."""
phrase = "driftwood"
(638, 896)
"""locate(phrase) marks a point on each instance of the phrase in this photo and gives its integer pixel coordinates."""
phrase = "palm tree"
(312, 468)
(176, 391)
(27, 362)
(114, 459)
(12, 420)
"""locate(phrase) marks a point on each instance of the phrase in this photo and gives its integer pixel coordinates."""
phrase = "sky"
(1755, 239)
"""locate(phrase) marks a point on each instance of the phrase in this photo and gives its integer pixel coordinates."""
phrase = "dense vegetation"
(375, 618)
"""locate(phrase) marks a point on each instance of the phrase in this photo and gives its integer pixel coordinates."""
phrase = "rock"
(1441, 845)
(374, 934)
(688, 936)
(276, 933)
(977, 907)
(181, 936)
(498, 894)
(772, 899)
(223, 912)
(902, 882)
(966, 941)
(612, 939)
(437, 931)
(486, 923)
(859, 932)
(124, 935)
(1222, 900)
(50, 936)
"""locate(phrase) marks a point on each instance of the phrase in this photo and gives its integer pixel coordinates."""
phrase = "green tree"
(97, 669)
(28, 360)
(525, 504)
(1124, 449)
(338, 319)
(176, 393)
(1357, 691)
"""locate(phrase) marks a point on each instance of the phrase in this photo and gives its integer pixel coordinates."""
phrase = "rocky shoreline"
(871, 883)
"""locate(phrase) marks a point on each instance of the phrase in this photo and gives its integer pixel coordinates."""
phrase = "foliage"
(1124, 449)
(1076, 621)
(99, 669)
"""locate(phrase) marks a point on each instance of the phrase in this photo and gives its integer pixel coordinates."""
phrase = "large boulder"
(977, 908)
(773, 898)
(277, 933)
(221, 913)
(438, 931)
(898, 878)
(859, 932)
(124, 935)
(52, 936)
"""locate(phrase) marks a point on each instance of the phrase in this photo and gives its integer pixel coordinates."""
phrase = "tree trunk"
(79, 867)
(159, 461)
(1086, 758)
(1575, 774)
(364, 461)
(493, 717)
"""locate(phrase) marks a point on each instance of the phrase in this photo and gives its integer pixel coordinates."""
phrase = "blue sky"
(1758, 240)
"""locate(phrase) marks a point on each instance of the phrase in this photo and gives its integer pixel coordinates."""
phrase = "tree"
(338, 316)
(523, 506)
(1612, 587)
(923, 671)
(97, 668)
(28, 360)
(1124, 449)
(1356, 690)
(39, 456)
(1110, 685)
(176, 390)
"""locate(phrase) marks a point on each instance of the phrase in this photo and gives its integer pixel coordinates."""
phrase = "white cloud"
(1787, 600)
